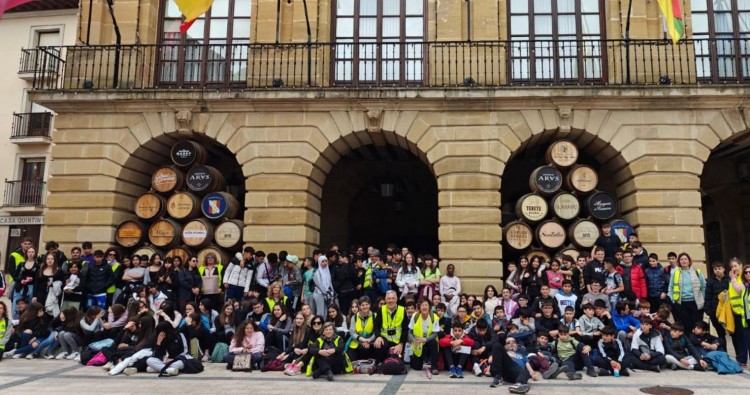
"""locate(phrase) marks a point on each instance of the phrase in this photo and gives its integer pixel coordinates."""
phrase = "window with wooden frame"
(213, 52)
(378, 42)
(556, 41)
(721, 32)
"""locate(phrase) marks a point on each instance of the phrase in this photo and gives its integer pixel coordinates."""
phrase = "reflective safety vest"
(419, 331)
(746, 305)
(347, 363)
(677, 283)
(18, 258)
(735, 298)
(271, 302)
(219, 273)
(3, 329)
(392, 323)
(368, 278)
(112, 288)
(363, 330)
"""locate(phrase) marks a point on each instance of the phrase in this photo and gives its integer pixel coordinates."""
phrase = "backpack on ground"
(363, 366)
(220, 350)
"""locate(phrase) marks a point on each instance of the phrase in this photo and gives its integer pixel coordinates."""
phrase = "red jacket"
(637, 280)
(445, 342)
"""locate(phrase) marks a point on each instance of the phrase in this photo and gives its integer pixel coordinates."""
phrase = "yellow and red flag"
(5, 5)
(191, 9)
(673, 16)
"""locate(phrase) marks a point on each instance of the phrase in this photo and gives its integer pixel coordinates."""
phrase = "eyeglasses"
(111, 254)
(747, 271)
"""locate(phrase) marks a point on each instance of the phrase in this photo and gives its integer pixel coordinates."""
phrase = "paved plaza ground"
(65, 377)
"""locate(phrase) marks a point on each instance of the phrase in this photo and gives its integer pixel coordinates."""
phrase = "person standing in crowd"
(291, 279)
(238, 275)
(190, 281)
(429, 277)
(98, 279)
(211, 272)
(450, 289)
(715, 285)
(323, 294)
(344, 280)
(656, 283)
(608, 241)
(407, 279)
(633, 277)
(25, 277)
(595, 268)
(264, 275)
(16, 258)
(739, 300)
(687, 288)
(75, 257)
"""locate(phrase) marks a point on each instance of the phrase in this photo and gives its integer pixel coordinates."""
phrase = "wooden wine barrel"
(518, 235)
(168, 179)
(219, 205)
(165, 233)
(150, 206)
(198, 233)
(229, 234)
(582, 179)
(544, 255)
(203, 179)
(551, 234)
(601, 205)
(583, 233)
(130, 233)
(182, 252)
(572, 251)
(184, 205)
(221, 256)
(147, 250)
(546, 180)
(562, 153)
(532, 207)
(565, 206)
(187, 153)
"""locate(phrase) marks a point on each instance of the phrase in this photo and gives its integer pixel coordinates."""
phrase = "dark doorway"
(377, 195)
(17, 233)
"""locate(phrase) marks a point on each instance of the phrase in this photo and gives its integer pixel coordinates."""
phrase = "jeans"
(503, 366)
(235, 292)
(69, 342)
(49, 342)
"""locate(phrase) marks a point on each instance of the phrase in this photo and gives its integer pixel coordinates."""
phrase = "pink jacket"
(253, 344)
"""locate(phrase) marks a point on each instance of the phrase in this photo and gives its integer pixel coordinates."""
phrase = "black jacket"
(98, 278)
(173, 345)
(713, 288)
(189, 280)
(346, 278)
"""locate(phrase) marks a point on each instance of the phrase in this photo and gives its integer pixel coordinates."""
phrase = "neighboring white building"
(25, 142)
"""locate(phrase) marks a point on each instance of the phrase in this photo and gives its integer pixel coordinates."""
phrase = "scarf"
(323, 277)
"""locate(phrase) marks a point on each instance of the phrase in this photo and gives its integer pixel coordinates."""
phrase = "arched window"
(721, 30)
(373, 41)
(556, 40)
(214, 50)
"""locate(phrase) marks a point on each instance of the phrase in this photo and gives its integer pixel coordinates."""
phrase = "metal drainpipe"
(118, 42)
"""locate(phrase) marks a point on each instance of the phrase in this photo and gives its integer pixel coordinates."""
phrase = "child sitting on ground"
(573, 354)
(547, 321)
(602, 313)
(590, 325)
(571, 322)
(647, 347)
(613, 358)
(680, 352)
(543, 359)
(499, 321)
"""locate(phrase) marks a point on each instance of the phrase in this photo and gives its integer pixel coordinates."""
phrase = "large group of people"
(608, 311)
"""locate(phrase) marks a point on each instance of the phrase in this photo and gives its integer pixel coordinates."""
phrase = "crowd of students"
(604, 313)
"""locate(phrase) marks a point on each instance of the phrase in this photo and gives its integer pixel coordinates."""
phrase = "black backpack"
(192, 365)
(393, 366)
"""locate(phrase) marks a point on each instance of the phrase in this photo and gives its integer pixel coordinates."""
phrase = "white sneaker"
(49, 356)
(73, 355)
(61, 355)
(477, 370)
(173, 371)
(17, 356)
(8, 354)
(108, 366)
(30, 356)
(149, 369)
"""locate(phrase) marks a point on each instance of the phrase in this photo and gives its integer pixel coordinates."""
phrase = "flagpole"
(627, 44)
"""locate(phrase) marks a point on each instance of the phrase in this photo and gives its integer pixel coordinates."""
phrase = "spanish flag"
(673, 16)
(192, 9)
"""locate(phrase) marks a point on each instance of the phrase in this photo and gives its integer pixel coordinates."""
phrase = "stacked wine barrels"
(186, 212)
(563, 210)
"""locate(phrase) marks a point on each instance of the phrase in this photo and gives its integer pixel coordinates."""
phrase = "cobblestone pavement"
(65, 377)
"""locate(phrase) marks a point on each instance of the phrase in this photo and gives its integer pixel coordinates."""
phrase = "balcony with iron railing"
(38, 63)
(24, 196)
(476, 64)
(32, 128)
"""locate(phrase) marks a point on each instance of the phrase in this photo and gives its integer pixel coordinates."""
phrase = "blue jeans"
(24, 346)
(50, 342)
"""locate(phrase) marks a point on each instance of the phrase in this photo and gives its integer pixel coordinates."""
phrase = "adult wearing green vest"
(328, 356)
(362, 332)
(113, 260)
(15, 259)
(276, 295)
(211, 276)
(391, 327)
(6, 327)
(687, 288)
(738, 277)
(423, 332)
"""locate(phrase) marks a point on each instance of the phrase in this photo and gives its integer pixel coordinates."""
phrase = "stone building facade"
(650, 140)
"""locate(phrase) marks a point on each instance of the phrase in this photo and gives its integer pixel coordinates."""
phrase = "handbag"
(243, 363)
